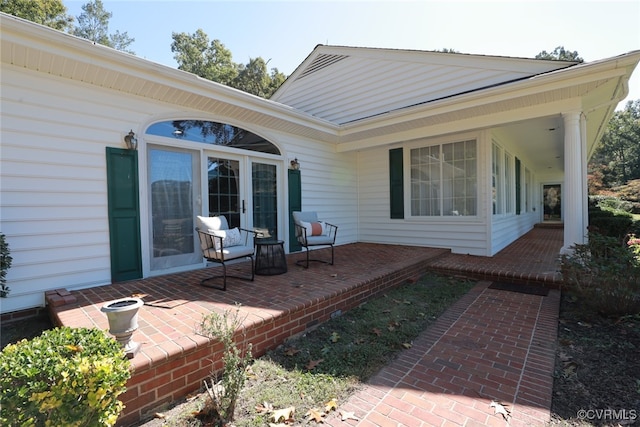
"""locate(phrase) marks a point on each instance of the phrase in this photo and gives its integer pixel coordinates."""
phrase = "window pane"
(171, 202)
(212, 133)
(443, 180)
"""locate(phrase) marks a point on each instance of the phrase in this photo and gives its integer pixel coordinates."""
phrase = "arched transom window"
(213, 133)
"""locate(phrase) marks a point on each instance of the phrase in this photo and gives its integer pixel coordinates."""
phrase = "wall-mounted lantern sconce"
(295, 164)
(131, 140)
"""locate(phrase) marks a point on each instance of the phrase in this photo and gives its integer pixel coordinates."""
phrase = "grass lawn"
(326, 365)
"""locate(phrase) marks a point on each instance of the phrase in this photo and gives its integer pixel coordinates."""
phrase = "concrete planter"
(123, 321)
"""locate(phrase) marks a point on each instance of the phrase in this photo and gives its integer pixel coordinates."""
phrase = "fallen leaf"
(344, 415)
(331, 405)
(284, 414)
(499, 408)
(359, 341)
(334, 275)
(313, 363)
(291, 351)
(159, 415)
(139, 295)
(376, 331)
(264, 408)
(335, 337)
(315, 414)
(407, 345)
(75, 348)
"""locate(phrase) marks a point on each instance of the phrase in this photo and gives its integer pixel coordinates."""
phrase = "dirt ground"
(597, 374)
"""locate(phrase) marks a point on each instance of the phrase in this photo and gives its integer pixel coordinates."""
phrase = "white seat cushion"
(229, 253)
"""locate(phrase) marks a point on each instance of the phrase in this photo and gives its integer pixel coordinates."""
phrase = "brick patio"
(490, 345)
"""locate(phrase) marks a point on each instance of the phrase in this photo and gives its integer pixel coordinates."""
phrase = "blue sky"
(285, 32)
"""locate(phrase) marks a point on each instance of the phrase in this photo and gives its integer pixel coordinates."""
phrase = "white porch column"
(575, 182)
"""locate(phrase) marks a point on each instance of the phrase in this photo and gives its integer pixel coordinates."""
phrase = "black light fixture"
(295, 164)
(131, 140)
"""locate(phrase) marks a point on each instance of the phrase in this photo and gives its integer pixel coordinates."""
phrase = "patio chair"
(312, 232)
(220, 244)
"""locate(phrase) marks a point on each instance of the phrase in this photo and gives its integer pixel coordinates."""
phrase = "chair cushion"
(230, 253)
(299, 217)
(207, 223)
(229, 238)
(314, 228)
(212, 223)
(317, 240)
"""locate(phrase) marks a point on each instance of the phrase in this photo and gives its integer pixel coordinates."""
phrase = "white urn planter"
(123, 321)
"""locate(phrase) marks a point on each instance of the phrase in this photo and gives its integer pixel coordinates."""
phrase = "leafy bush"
(5, 264)
(64, 377)
(614, 223)
(606, 274)
(223, 394)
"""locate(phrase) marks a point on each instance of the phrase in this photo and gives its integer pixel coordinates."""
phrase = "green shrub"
(64, 377)
(606, 274)
(5, 264)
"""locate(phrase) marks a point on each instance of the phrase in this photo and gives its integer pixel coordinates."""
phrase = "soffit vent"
(320, 62)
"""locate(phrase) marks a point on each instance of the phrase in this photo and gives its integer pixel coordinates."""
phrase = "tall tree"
(211, 60)
(51, 13)
(208, 59)
(560, 54)
(618, 156)
(93, 24)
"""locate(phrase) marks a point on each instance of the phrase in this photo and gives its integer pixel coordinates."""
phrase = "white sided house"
(457, 151)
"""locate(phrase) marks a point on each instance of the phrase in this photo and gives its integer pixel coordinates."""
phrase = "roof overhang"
(593, 88)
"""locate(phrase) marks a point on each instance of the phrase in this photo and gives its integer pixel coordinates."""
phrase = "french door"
(174, 192)
(242, 188)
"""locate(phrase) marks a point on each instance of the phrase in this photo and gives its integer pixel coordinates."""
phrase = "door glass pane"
(223, 176)
(552, 202)
(172, 188)
(265, 200)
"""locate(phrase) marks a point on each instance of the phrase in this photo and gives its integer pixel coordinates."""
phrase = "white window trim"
(428, 142)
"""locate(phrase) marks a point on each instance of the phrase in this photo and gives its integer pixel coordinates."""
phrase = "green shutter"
(518, 183)
(396, 184)
(295, 204)
(124, 214)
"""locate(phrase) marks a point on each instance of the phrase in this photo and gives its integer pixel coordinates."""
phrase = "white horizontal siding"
(53, 206)
(461, 235)
(328, 183)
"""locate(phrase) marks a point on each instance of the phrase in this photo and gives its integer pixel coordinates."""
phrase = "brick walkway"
(491, 344)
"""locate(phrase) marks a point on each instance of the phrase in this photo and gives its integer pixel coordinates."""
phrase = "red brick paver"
(490, 346)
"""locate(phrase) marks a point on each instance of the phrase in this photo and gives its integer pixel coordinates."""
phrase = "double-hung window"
(444, 180)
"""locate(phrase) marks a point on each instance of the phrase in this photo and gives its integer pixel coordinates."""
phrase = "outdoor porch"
(173, 360)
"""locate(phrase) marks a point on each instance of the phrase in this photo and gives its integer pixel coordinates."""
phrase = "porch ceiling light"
(131, 140)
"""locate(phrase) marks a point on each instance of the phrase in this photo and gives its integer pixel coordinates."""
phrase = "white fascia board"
(483, 97)
(465, 125)
(29, 35)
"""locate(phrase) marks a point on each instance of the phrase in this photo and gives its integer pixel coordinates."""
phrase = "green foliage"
(605, 273)
(607, 217)
(213, 61)
(93, 24)
(5, 264)
(64, 377)
(617, 158)
(51, 13)
(223, 394)
(560, 54)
